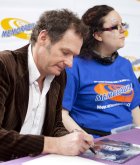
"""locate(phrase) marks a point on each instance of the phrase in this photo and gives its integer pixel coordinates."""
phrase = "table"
(132, 136)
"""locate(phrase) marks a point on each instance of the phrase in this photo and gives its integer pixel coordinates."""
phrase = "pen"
(92, 150)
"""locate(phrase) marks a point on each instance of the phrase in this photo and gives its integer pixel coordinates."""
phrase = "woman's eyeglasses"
(123, 26)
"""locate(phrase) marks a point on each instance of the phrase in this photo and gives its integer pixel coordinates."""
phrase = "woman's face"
(112, 35)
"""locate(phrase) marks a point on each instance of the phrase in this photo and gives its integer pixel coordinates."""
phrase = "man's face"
(53, 58)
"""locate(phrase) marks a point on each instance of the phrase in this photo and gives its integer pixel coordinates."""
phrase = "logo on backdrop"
(16, 27)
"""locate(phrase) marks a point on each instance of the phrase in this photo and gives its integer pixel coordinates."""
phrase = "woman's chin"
(121, 45)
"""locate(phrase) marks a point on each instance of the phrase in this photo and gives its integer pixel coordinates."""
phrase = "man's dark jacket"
(14, 96)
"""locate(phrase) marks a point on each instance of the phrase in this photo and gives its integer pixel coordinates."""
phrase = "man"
(32, 82)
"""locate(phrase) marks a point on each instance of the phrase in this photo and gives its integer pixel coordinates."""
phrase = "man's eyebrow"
(68, 50)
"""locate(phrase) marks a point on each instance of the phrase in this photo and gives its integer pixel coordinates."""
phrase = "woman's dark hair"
(56, 23)
(94, 19)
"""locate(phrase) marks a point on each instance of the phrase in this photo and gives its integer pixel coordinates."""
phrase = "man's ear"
(97, 36)
(43, 37)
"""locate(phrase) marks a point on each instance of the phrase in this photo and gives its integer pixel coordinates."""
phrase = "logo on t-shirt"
(120, 93)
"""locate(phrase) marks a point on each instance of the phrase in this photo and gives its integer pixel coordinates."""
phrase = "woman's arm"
(69, 123)
(136, 116)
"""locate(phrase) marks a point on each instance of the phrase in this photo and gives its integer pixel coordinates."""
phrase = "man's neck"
(40, 82)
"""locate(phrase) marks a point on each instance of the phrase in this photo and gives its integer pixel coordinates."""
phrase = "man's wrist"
(50, 145)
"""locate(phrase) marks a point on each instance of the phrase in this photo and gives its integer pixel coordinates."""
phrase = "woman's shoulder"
(123, 60)
(79, 64)
(78, 60)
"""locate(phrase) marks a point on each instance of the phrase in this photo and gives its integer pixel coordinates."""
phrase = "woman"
(102, 91)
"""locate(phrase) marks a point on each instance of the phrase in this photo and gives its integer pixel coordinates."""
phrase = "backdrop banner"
(17, 18)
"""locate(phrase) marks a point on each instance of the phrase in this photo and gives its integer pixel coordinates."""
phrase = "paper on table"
(138, 127)
(61, 160)
(123, 128)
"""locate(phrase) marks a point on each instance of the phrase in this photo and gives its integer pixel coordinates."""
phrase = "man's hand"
(72, 144)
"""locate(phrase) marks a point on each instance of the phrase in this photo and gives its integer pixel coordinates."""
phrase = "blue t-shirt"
(101, 97)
